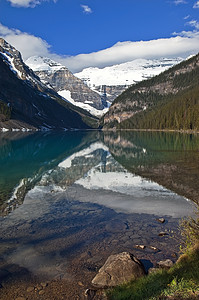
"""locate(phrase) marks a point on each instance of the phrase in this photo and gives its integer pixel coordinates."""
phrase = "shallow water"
(68, 200)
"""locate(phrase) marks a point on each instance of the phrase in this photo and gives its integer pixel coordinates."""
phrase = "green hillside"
(181, 112)
(167, 101)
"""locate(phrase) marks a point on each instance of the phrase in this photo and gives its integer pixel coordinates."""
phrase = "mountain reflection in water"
(76, 197)
(99, 161)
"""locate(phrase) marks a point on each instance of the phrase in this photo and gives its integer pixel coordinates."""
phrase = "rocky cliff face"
(112, 91)
(148, 93)
(31, 104)
(13, 59)
(61, 79)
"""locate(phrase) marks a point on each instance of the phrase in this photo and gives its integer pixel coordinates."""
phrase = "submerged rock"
(119, 268)
(41, 292)
(30, 289)
(161, 220)
(44, 284)
(163, 233)
(142, 247)
(153, 248)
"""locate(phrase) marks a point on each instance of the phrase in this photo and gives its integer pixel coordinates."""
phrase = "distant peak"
(40, 63)
(5, 44)
(5, 47)
(126, 73)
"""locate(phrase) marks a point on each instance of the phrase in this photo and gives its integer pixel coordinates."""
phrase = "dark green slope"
(181, 112)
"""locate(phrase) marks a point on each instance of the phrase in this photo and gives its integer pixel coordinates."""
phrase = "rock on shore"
(119, 268)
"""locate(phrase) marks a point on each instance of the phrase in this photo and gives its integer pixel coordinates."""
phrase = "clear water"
(73, 198)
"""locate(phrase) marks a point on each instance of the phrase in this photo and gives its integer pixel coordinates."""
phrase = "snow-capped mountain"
(13, 59)
(71, 88)
(171, 86)
(126, 73)
(27, 103)
(118, 78)
(86, 89)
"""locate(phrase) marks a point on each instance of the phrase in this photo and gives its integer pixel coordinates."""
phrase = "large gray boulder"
(119, 268)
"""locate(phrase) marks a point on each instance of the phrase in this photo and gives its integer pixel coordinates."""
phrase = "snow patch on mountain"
(39, 63)
(126, 73)
(10, 61)
(66, 94)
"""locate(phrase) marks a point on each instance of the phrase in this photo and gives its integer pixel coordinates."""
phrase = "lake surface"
(69, 200)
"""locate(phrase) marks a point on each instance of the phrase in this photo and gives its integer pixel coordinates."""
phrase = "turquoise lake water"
(72, 198)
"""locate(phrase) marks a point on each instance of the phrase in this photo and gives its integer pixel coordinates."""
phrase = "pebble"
(30, 289)
(153, 248)
(140, 247)
(41, 292)
(161, 220)
(38, 288)
(174, 255)
(20, 298)
(163, 233)
(44, 284)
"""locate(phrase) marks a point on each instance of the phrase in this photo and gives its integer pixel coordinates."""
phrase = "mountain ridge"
(71, 88)
(118, 78)
(32, 105)
(126, 73)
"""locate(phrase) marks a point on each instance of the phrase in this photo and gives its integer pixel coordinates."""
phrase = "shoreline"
(24, 130)
(153, 130)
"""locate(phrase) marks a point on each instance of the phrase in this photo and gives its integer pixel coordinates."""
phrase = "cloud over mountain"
(183, 44)
(27, 44)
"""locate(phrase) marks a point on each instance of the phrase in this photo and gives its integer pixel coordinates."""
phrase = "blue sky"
(68, 29)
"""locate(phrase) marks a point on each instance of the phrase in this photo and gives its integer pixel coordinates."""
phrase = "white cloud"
(196, 5)
(194, 24)
(27, 3)
(27, 44)
(181, 44)
(187, 34)
(186, 17)
(180, 2)
(86, 9)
